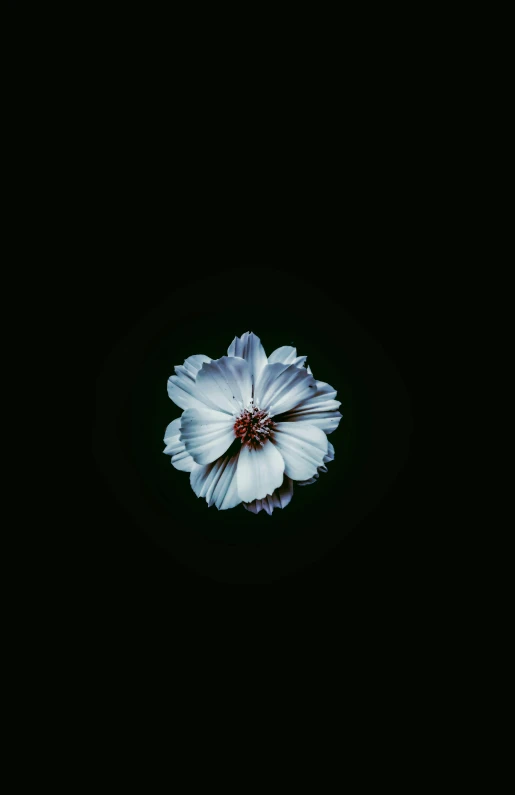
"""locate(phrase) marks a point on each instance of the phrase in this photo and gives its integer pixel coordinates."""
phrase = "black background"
(353, 543)
(191, 211)
(333, 255)
(231, 545)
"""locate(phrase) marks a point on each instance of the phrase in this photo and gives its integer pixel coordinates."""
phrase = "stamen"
(253, 427)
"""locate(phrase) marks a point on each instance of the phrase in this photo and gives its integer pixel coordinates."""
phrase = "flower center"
(253, 427)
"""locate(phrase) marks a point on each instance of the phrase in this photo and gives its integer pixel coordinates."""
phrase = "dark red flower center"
(253, 427)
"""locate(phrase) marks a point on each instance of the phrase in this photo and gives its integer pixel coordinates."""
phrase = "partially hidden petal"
(172, 430)
(181, 459)
(318, 408)
(183, 388)
(327, 459)
(280, 498)
(260, 471)
(191, 366)
(326, 390)
(309, 481)
(286, 355)
(227, 383)
(194, 363)
(302, 446)
(254, 506)
(281, 388)
(217, 482)
(206, 434)
(324, 415)
(249, 347)
(330, 453)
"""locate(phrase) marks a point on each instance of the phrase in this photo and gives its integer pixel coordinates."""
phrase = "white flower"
(251, 425)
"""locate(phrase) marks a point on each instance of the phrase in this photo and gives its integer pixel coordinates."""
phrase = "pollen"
(253, 427)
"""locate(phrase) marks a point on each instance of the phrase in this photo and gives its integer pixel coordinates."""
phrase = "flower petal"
(315, 404)
(172, 430)
(280, 498)
(328, 392)
(182, 387)
(191, 366)
(286, 355)
(330, 453)
(181, 459)
(217, 482)
(183, 392)
(254, 506)
(206, 434)
(323, 415)
(327, 458)
(194, 363)
(281, 388)
(302, 446)
(249, 347)
(319, 409)
(227, 383)
(309, 481)
(259, 471)
(322, 387)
